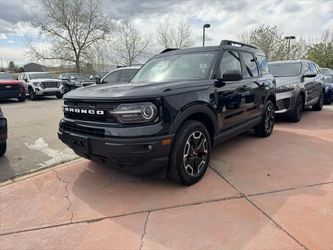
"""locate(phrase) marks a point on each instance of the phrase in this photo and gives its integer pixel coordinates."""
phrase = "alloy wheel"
(269, 119)
(195, 153)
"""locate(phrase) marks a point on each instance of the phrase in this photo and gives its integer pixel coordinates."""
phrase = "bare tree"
(273, 44)
(129, 45)
(178, 37)
(71, 28)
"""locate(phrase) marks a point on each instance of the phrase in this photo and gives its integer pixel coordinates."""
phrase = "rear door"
(254, 86)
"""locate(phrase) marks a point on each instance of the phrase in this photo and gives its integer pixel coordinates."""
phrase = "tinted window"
(313, 67)
(251, 68)
(127, 74)
(40, 76)
(112, 77)
(230, 62)
(5, 76)
(176, 67)
(285, 69)
(263, 65)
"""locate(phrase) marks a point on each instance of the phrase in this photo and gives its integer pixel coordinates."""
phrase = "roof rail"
(229, 42)
(167, 50)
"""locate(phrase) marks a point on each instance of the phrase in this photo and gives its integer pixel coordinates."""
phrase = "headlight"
(135, 112)
(35, 84)
(285, 88)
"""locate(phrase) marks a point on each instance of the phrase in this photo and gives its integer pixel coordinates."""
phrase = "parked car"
(11, 88)
(328, 73)
(173, 110)
(123, 74)
(41, 84)
(72, 81)
(299, 84)
(3, 134)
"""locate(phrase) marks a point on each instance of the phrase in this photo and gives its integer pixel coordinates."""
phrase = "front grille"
(46, 85)
(9, 87)
(92, 106)
(82, 130)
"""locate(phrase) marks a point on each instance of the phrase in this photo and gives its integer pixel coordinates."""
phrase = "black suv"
(3, 134)
(173, 110)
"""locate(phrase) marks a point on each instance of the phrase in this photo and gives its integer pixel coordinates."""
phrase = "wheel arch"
(197, 112)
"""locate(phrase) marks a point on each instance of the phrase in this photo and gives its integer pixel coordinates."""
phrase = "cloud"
(11, 41)
(302, 18)
(3, 36)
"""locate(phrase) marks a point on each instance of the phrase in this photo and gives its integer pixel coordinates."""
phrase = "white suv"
(41, 84)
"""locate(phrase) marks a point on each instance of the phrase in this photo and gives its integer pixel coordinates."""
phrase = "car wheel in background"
(265, 127)
(298, 110)
(32, 94)
(319, 105)
(3, 147)
(190, 153)
(59, 95)
(21, 98)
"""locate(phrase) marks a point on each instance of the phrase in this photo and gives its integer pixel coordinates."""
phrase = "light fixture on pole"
(289, 38)
(206, 26)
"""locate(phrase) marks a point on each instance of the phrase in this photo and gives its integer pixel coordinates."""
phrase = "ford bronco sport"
(173, 110)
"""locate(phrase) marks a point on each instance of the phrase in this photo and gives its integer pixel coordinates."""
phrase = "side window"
(251, 68)
(127, 74)
(230, 62)
(263, 66)
(112, 77)
(313, 68)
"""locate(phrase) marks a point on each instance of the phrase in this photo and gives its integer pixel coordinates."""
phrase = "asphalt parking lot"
(273, 193)
(32, 137)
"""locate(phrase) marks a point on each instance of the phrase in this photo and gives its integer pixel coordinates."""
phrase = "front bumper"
(3, 129)
(285, 102)
(47, 91)
(12, 94)
(144, 156)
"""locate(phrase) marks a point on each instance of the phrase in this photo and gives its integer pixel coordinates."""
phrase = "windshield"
(285, 69)
(79, 76)
(39, 76)
(5, 76)
(191, 66)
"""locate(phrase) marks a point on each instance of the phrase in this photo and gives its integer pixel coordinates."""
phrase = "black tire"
(3, 147)
(298, 110)
(59, 95)
(319, 105)
(265, 127)
(190, 152)
(21, 98)
(32, 94)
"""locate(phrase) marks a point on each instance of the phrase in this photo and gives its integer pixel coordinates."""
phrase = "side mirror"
(234, 75)
(26, 79)
(309, 74)
(219, 83)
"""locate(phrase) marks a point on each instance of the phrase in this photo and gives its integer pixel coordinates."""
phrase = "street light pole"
(289, 38)
(207, 25)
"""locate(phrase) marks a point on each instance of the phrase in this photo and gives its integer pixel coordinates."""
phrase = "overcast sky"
(228, 18)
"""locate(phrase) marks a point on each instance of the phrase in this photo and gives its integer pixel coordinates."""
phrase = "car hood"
(45, 80)
(10, 82)
(280, 81)
(135, 90)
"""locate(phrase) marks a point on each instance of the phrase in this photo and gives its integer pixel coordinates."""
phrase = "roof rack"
(229, 42)
(167, 50)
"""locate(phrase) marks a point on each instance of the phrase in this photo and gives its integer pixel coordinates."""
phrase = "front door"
(231, 97)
